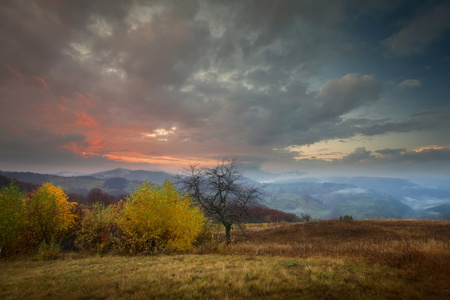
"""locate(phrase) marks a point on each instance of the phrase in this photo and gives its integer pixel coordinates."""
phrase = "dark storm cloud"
(427, 120)
(421, 30)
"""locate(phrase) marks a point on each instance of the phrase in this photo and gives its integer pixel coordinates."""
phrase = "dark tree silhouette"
(96, 195)
(221, 191)
(260, 214)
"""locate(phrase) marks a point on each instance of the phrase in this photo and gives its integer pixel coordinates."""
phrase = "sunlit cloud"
(176, 162)
(161, 134)
(431, 147)
(306, 152)
(93, 146)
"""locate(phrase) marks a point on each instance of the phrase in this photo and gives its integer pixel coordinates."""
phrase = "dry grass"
(327, 259)
(396, 243)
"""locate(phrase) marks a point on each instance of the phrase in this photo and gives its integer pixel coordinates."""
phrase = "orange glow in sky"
(431, 147)
(85, 120)
(176, 162)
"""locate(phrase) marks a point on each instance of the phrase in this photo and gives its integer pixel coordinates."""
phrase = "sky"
(316, 87)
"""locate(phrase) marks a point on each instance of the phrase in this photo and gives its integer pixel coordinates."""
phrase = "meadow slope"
(323, 259)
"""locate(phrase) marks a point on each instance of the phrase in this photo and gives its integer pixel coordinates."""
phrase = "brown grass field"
(315, 260)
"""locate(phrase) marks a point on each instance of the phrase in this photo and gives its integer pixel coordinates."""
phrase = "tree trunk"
(227, 233)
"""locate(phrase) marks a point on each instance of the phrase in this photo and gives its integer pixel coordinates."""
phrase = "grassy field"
(326, 260)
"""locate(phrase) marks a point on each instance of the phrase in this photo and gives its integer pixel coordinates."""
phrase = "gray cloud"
(421, 31)
(339, 96)
(393, 162)
(358, 155)
(391, 152)
(407, 83)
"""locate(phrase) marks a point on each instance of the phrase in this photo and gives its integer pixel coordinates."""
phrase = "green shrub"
(99, 231)
(12, 218)
(305, 218)
(48, 251)
(346, 218)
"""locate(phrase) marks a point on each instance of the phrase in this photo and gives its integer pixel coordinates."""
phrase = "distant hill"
(30, 177)
(114, 182)
(73, 184)
(23, 186)
(331, 200)
(156, 177)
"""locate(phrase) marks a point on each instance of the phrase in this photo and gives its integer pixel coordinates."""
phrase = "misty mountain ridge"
(419, 193)
(156, 177)
(332, 200)
(115, 182)
(328, 197)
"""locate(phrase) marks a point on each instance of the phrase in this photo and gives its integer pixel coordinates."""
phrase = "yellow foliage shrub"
(48, 215)
(157, 217)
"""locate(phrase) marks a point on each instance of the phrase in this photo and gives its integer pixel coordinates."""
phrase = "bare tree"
(221, 191)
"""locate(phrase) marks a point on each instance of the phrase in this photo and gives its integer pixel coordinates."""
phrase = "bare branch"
(220, 191)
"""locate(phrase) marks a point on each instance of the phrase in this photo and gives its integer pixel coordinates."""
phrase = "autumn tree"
(48, 214)
(221, 191)
(157, 217)
(11, 216)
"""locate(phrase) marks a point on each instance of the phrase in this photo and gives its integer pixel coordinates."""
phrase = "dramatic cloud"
(162, 84)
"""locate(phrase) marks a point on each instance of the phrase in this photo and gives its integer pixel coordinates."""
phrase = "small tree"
(99, 231)
(221, 192)
(48, 214)
(158, 217)
(346, 218)
(11, 216)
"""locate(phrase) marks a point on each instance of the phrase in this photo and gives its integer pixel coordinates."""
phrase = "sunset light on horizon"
(318, 87)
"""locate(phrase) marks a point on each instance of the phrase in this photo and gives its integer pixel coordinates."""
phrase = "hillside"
(418, 196)
(439, 212)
